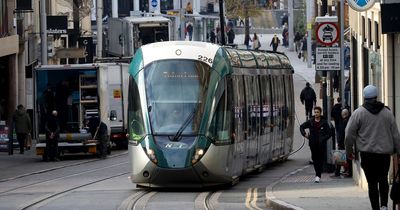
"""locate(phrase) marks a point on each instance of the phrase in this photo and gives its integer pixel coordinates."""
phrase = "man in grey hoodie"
(372, 129)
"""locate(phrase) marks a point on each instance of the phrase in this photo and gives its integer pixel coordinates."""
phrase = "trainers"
(317, 179)
(384, 208)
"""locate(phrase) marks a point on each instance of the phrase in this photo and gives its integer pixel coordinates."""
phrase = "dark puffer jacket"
(22, 121)
(317, 139)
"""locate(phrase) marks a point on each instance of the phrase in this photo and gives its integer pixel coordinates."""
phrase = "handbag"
(338, 157)
(28, 140)
(395, 191)
(299, 56)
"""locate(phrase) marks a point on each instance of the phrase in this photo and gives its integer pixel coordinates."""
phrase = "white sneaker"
(384, 208)
(317, 179)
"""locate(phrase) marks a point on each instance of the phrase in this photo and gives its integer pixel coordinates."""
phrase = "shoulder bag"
(395, 191)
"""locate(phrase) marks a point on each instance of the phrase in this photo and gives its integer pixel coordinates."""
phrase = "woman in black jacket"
(319, 131)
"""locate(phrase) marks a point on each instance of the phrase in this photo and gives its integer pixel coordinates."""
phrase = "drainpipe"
(394, 74)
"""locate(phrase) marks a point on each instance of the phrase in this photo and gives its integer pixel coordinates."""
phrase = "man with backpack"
(309, 99)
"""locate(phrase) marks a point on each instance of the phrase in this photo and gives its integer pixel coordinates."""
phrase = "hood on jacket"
(20, 112)
(373, 106)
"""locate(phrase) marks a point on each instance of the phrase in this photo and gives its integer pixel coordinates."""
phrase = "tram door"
(253, 118)
(289, 120)
(276, 119)
(239, 123)
(265, 137)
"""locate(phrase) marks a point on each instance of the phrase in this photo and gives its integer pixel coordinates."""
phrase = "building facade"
(375, 58)
(9, 50)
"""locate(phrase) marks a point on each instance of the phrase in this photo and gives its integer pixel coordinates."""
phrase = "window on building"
(377, 43)
(369, 33)
(3, 18)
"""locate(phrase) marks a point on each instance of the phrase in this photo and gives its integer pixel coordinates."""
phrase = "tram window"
(266, 104)
(135, 118)
(253, 104)
(220, 127)
(176, 86)
(239, 107)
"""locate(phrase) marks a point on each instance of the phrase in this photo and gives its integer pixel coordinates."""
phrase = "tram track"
(207, 200)
(37, 203)
(58, 167)
(62, 177)
(137, 200)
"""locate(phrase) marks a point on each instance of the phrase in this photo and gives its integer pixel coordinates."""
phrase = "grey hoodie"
(372, 128)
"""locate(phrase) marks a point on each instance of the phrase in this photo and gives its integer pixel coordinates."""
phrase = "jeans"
(376, 168)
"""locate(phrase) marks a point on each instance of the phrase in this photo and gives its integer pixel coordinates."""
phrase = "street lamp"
(222, 21)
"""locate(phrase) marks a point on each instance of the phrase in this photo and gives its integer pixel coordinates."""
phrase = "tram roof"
(237, 58)
(258, 59)
(139, 19)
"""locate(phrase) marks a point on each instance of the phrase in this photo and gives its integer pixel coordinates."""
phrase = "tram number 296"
(205, 59)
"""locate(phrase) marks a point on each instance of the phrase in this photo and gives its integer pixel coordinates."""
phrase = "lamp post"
(222, 21)
(43, 31)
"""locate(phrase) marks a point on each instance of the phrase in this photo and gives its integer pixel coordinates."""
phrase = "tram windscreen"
(176, 91)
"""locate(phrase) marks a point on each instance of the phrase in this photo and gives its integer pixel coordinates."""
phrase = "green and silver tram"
(201, 115)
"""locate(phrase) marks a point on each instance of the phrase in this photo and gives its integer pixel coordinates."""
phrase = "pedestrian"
(256, 42)
(23, 126)
(189, 8)
(372, 131)
(247, 41)
(317, 135)
(309, 99)
(347, 92)
(189, 29)
(212, 36)
(52, 134)
(98, 130)
(274, 43)
(48, 101)
(297, 41)
(304, 48)
(336, 115)
(348, 169)
(231, 35)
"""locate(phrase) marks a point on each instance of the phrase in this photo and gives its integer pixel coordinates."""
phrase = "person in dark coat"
(101, 135)
(274, 43)
(336, 115)
(189, 29)
(52, 134)
(309, 99)
(247, 41)
(317, 135)
(23, 126)
(212, 36)
(231, 35)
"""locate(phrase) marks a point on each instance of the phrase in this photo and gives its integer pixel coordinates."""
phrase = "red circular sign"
(327, 33)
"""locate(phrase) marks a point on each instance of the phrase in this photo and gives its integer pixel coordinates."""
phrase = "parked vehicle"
(126, 35)
(79, 92)
(4, 140)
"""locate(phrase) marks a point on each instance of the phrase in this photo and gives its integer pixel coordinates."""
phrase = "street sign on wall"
(361, 5)
(327, 33)
(327, 59)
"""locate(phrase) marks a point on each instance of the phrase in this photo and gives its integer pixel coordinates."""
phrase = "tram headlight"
(197, 155)
(150, 153)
